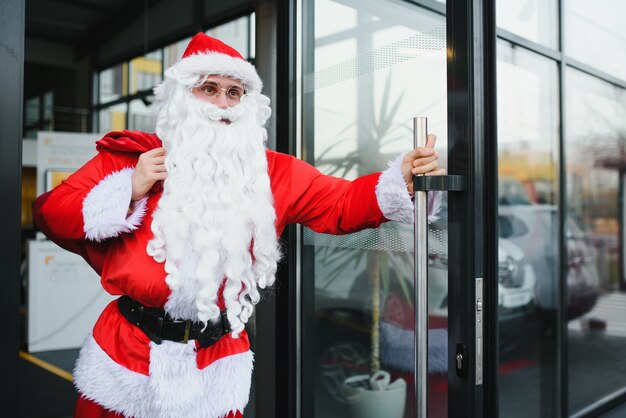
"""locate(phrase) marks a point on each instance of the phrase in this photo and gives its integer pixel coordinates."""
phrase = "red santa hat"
(209, 56)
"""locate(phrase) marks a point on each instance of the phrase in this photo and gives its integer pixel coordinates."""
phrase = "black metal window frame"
(143, 94)
(472, 214)
(11, 102)
(41, 123)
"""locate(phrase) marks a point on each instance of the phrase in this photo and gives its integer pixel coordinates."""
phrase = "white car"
(533, 229)
(343, 298)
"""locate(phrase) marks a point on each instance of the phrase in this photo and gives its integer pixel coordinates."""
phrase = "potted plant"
(373, 394)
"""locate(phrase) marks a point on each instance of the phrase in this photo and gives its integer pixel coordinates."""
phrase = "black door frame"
(11, 99)
(472, 214)
(473, 234)
(276, 372)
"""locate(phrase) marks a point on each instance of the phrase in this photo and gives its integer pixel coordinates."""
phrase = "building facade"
(523, 268)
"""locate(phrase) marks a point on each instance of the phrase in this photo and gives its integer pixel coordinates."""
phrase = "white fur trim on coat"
(105, 208)
(176, 388)
(393, 197)
(187, 69)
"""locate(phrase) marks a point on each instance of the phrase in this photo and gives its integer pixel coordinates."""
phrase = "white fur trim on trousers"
(176, 388)
(105, 207)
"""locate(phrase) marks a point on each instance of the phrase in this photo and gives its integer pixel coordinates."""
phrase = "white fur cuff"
(105, 208)
(393, 198)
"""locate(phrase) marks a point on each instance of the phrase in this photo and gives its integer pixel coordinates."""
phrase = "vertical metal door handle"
(420, 131)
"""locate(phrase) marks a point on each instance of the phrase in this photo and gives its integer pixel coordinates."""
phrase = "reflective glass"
(234, 33)
(528, 256)
(113, 83)
(535, 20)
(29, 194)
(595, 144)
(174, 52)
(112, 118)
(145, 72)
(369, 70)
(252, 53)
(141, 117)
(48, 106)
(596, 35)
(31, 115)
(39, 114)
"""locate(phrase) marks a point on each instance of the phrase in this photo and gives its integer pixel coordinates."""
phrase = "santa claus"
(184, 225)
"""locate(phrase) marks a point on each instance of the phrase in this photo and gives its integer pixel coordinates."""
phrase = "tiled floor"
(43, 394)
(50, 396)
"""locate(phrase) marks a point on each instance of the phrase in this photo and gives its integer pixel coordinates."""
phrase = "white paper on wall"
(64, 298)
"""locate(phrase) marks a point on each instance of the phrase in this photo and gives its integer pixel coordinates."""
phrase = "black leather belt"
(158, 326)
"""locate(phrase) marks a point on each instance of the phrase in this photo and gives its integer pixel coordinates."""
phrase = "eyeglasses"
(212, 90)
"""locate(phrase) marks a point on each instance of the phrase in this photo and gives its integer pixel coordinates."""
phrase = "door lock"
(461, 360)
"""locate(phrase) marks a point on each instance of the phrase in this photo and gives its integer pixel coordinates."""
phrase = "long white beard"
(215, 219)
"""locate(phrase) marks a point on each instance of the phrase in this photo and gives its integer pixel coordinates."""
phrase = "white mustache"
(218, 114)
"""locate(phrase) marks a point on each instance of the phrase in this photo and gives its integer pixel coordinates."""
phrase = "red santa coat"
(119, 367)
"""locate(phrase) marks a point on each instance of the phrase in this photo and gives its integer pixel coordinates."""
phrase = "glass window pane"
(31, 116)
(112, 118)
(141, 117)
(48, 105)
(234, 33)
(596, 35)
(113, 83)
(528, 133)
(535, 20)
(372, 68)
(596, 162)
(145, 72)
(30, 133)
(252, 36)
(174, 52)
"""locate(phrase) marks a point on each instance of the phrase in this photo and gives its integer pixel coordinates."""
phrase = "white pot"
(374, 396)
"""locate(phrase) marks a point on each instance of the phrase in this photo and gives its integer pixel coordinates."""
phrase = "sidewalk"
(44, 394)
(610, 308)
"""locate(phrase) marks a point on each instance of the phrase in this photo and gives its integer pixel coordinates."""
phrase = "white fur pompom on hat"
(209, 56)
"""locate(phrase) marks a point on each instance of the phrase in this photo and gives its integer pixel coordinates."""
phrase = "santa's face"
(211, 89)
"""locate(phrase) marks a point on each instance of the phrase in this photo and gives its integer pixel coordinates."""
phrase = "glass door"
(369, 68)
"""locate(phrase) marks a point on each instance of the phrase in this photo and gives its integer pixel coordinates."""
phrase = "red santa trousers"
(89, 409)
